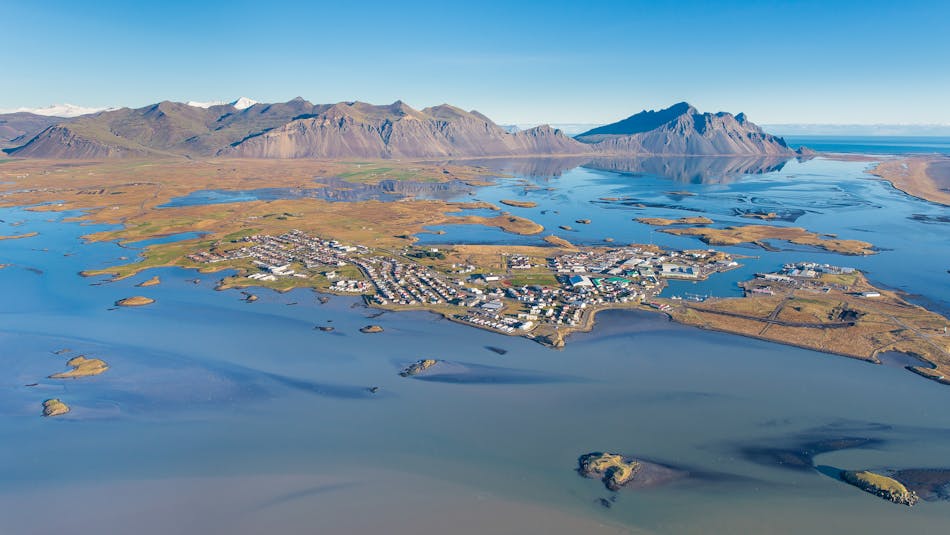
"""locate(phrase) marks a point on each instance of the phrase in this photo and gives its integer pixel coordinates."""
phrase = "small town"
(588, 279)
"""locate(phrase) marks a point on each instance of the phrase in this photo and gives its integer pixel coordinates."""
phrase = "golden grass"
(154, 281)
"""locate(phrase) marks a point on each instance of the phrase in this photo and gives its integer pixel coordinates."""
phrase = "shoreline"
(923, 177)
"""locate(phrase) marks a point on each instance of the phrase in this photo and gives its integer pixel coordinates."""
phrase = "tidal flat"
(262, 421)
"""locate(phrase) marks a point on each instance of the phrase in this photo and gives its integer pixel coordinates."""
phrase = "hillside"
(19, 127)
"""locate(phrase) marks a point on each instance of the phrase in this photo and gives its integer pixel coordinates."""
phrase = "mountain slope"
(682, 130)
(163, 128)
(19, 127)
(300, 129)
(357, 129)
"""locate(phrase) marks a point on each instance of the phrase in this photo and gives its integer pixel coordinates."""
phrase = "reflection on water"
(688, 169)
(333, 190)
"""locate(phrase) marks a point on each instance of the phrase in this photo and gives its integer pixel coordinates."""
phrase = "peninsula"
(926, 177)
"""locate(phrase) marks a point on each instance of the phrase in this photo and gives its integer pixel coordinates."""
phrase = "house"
(580, 281)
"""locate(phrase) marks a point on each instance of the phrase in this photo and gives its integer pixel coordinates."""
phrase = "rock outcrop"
(882, 486)
(54, 407)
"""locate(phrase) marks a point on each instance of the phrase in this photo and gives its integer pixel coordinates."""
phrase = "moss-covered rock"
(882, 486)
(613, 469)
(54, 407)
(418, 367)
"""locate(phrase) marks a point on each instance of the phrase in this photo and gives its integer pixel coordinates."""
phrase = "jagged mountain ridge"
(300, 129)
(398, 131)
(682, 130)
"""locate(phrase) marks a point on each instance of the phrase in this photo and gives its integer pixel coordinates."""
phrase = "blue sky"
(517, 62)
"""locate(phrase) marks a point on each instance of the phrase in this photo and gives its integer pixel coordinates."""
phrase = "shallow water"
(218, 414)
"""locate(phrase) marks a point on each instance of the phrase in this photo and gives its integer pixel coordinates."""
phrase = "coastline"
(924, 177)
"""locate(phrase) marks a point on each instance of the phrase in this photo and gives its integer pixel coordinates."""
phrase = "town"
(588, 279)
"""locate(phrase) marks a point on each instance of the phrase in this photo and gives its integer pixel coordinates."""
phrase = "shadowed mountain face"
(682, 130)
(299, 129)
(18, 128)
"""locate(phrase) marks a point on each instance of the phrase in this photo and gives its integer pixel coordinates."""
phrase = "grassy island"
(885, 487)
(54, 407)
(134, 301)
(154, 281)
(518, 204)
(19, 236)
(663, 222)
(82, 367)
(756, 234)
(369, 329)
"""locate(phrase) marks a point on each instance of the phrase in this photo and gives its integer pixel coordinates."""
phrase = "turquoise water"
(224, 416)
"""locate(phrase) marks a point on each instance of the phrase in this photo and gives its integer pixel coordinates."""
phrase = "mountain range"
(300, 129)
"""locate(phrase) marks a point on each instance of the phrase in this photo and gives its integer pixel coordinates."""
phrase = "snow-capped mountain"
(241, 103)
(59, 110)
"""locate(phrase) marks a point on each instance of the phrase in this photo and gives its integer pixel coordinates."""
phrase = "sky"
(523, 62)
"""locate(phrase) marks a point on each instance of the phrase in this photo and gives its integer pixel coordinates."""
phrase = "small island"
(154, 281)
(370, 329)
(765, 216)
(518, 204)
(756, 234)
(82, 367)
(418, 367)
(583, 221)
(885, 487)
(620, 471)
(54, 407)
(614, 470)
(663, 222)
(134, 301)
(19, 236)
